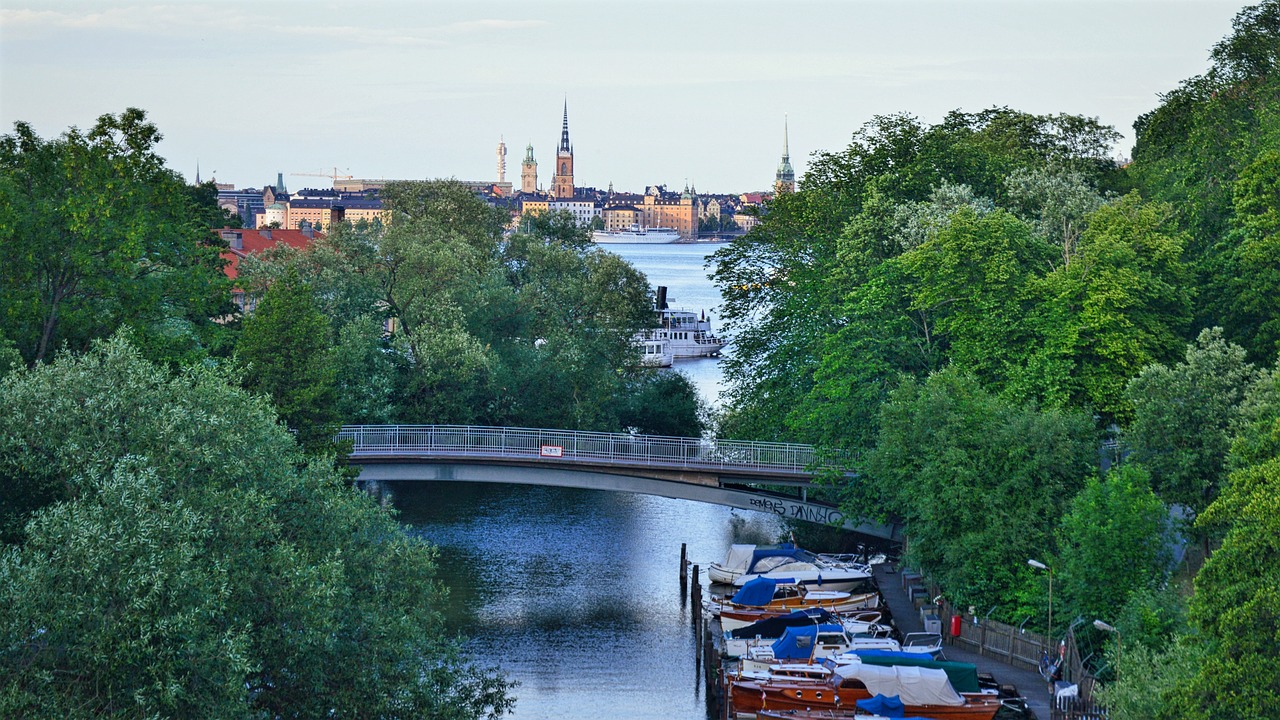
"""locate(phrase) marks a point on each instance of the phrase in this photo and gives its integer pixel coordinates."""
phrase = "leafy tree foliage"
(1185, 417)
(1193, 151)
(1111, 542)
(534, 328)
(103, 235)
(980, 482)
(1238, 589)
(665, 403)
(187, 559)
(285, 346)
(815, 285)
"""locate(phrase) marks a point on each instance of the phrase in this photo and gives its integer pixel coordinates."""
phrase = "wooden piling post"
(684, 569)
(697, 595)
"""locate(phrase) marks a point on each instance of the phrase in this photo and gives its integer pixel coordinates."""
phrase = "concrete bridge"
(722, 472)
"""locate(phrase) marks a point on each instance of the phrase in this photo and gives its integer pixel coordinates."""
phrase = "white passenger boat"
(636, 235)
(688, 333)
(655, 353)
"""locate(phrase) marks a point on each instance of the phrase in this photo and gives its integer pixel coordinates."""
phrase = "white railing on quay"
(371, 441)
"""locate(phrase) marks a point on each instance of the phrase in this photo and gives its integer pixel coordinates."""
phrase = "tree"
(1238, 589)
(108, 236)
(1250, 301)
(285, 346)
(1184, 419)
(663, 403)
(191, 560)
(978, 481)
(1121, 304)
(1111, 542)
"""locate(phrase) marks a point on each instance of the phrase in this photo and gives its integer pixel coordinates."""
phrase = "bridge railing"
(568, 445)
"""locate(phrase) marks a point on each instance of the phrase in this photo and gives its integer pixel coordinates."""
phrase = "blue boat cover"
(884, 705)
(797, 642)
(784, 550)
(758, 592)
(773, 627)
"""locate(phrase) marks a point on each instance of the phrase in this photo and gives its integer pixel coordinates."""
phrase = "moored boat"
(636, 235)
(933, 692)
(745, 562)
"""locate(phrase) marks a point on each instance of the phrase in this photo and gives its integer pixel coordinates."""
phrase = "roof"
(255, 241)
(311, 203)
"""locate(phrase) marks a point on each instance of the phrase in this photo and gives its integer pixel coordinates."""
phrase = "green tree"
(663, 403)
(1250, 303)
(1185, 417)
(1121, 304)
(285, 347)
(190, 560)
(1111, 542)
(364, 368)
(1238, 589)
(978, 481)
(105, 236)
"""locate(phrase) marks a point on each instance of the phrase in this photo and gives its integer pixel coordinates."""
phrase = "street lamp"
(1104, 627)
(1041, 566)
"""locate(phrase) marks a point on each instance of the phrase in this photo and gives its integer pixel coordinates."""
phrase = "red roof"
(255, 241)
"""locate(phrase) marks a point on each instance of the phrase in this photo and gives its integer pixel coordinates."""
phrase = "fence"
(570, 445)
(1022, 648)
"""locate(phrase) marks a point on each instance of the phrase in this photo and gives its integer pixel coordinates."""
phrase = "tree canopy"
(178, 554)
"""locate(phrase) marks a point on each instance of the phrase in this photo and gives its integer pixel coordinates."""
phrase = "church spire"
(785, 179)
(564, 133)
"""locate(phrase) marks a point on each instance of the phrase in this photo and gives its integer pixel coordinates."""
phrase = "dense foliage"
(531, 328)
(99, 234)
(988, 307)
(177, 554)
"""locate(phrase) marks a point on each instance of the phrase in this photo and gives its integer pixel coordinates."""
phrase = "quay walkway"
(907, 619)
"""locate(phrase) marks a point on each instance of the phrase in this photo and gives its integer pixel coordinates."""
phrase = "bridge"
(762, 476)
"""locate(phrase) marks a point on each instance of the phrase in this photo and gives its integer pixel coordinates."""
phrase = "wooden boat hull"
(733, 617)
(754, 697)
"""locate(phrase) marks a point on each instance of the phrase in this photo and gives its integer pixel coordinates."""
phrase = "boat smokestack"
(662, 298)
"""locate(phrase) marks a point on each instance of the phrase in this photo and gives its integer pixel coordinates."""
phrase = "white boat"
(654, 353)
(688, 333)
(636, 235)
(746, 562)
(798, 644)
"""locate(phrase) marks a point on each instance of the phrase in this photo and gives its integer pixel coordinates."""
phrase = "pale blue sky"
(659, 92)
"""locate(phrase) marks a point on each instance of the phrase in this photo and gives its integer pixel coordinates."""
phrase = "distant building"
(584, 208)
(784, 181)
(244, 242)
(529, 172)
(534, 205)
(562, 181)
(656, 208)
(619, 217)
(502, 161)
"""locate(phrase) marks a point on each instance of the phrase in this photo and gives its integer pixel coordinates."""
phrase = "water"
(681, 268)
(575, 594)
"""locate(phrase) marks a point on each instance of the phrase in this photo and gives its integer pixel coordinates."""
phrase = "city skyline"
(402, 90)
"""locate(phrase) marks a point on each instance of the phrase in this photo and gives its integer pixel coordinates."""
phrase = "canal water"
(575, 594)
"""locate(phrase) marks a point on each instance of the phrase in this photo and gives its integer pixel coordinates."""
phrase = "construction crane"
(335, 176)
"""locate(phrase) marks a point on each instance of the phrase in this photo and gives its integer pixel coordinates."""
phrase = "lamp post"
(1041, 566)
(1104, 627)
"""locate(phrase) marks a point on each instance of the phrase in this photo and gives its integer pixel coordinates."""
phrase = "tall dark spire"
(564, 133)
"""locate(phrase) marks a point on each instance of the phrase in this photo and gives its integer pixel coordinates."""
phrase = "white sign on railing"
(552, 451)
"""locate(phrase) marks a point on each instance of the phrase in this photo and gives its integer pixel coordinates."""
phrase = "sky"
(658, 92)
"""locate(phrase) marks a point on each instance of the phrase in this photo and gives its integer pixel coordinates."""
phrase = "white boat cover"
(913, 685)
(739, 558)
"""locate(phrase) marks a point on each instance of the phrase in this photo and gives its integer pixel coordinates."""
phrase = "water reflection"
(575, 593)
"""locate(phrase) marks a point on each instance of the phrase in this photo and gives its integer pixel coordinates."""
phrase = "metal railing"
(372, 441)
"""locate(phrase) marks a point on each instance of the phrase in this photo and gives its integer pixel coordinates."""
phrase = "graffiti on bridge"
(798, 510)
